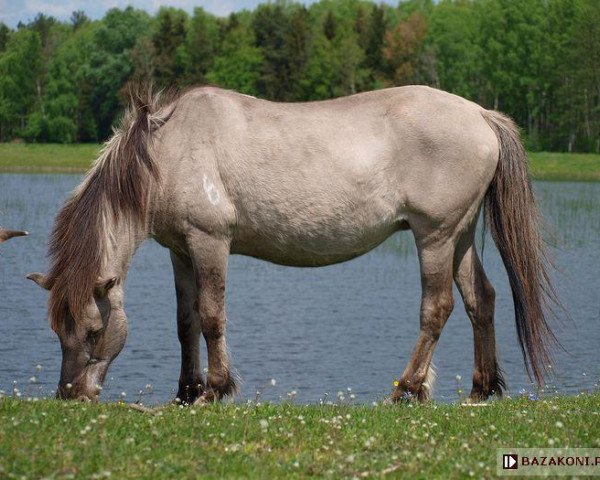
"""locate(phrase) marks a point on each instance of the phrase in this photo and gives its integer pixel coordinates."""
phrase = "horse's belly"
(294, 255)
(313, 240)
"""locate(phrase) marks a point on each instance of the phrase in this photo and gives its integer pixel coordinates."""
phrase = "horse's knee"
(445, 306)
(212, 318)
(213, 325)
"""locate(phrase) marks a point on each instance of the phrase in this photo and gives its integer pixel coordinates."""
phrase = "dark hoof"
(484, 388)
(188, 394)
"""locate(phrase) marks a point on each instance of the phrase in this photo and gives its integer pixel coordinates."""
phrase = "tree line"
(537, 60)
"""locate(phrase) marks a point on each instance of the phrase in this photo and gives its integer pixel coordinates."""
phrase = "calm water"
(315, 331)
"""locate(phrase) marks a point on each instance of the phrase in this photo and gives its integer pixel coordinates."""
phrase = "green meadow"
(58, 158)
(53, 439)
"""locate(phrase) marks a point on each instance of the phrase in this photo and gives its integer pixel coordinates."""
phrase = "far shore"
(77, 158)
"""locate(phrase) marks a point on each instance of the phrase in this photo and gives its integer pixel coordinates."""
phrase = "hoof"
(419, 389)
(405, 395)
(188, 394)
(485, 387)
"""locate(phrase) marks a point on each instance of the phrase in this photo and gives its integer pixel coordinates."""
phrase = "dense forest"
(537, 60)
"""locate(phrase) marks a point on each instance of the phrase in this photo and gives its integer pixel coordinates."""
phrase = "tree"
(4, 36)
(453, 35)
(110, 65)
(238, 65)
(404, 51)
(329, 26)
(168, 37)
(374, 61)
(536, 60)
(271, 26)
(579, 109)
(20, 67)
(201, 46)
(78, 19)
(334, 67)
(67, 109)
(296, 45)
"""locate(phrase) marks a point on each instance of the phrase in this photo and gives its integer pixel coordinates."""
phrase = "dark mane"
(116, 188)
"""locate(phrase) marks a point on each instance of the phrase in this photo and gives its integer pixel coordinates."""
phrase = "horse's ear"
(103, 287)
(8, 234)
(41, 279)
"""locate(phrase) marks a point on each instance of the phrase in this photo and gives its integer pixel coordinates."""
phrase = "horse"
(8, 234)
(211, 172)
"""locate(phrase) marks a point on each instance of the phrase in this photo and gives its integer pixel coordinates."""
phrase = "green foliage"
(20, 65)
(271, 24)
(167, 40)
(4, 36)
(374, 62)
(202, 46)
(110, 65)
(239, 62)
(537, 60)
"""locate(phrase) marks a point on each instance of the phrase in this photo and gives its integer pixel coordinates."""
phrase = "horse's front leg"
(189, 328)
(209, 257)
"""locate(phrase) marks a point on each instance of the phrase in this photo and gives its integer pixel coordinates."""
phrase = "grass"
(52, 439)
(20, 157)
(35, 157)
(565, 166)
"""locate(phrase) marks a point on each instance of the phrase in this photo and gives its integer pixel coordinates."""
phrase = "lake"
(315, 331)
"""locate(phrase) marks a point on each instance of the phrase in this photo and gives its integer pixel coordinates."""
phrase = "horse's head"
(90, 343)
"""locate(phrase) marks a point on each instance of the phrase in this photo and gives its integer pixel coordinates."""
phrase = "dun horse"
(213, 173)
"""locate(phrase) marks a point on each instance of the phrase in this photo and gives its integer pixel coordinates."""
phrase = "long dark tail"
(514, 221)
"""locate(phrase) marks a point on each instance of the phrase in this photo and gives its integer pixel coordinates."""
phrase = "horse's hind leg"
(478, 296)
(436, 306)
(209, 257)
(191, 385)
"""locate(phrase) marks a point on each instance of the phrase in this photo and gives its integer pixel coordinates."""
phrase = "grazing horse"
(213, 172)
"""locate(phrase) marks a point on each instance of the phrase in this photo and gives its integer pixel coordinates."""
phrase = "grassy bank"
(50, 439)
(77, 158)
(565, 166)
(21, 157)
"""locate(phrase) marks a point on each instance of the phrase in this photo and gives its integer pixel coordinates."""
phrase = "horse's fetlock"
(222, 383)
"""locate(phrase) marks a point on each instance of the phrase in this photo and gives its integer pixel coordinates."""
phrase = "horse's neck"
(120, 246)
